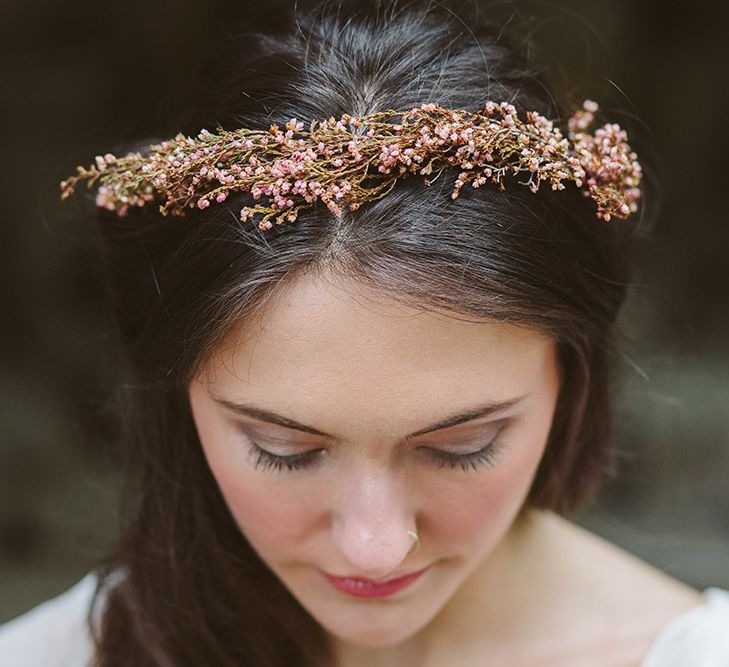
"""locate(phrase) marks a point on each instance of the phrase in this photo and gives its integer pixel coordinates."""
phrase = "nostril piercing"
(416, 543)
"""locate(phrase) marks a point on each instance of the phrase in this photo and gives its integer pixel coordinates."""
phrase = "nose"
(371, 523)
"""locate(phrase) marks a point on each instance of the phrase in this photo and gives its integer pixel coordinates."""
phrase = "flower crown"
(357, 159)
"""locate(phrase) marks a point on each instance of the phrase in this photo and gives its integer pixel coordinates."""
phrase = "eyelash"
(487, 455)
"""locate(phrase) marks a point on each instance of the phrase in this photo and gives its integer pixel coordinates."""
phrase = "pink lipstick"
(362, 587)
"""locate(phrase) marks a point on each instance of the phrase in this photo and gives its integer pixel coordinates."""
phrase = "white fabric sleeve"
(698, 638)
(53, 634)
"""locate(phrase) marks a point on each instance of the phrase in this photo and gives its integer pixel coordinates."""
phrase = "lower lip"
(364, 589)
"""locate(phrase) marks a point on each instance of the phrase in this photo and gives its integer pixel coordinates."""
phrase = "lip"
(362, 587)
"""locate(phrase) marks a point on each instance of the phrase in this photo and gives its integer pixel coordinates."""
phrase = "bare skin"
(506, 587)
(576, 599)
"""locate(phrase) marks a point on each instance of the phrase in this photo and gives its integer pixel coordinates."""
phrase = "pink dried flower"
(295, 167)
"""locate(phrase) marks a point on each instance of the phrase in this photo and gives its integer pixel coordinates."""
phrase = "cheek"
(260, 509)
(267, 507)
(479, 507)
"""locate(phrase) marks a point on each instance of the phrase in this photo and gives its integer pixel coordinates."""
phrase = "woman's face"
(360, 376)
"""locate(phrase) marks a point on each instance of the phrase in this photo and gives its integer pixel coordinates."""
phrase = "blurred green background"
(78, 77)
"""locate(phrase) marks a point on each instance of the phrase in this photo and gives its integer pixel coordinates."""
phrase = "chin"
(379, 624)
(378, 630)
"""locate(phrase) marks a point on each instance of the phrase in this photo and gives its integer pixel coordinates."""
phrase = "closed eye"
(487, 455)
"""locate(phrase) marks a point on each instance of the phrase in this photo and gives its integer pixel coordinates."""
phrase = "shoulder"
(609, 573)
(631, 603)
(55, 633)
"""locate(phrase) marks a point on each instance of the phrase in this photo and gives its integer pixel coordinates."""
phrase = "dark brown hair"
(194, 591)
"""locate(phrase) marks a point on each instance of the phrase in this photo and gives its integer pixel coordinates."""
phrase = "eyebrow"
(260, 414)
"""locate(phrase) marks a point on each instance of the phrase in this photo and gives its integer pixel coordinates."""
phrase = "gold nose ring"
(416, 544)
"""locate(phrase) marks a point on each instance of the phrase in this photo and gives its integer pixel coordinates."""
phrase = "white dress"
(55, 633)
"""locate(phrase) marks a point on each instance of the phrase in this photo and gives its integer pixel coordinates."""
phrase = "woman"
(354, 437)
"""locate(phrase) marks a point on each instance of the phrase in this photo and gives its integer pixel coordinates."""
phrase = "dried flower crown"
(357, 159)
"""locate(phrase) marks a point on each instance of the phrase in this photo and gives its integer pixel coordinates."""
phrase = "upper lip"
(377, 581)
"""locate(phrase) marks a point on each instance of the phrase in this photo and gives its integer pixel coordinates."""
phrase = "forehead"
(326, 342)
